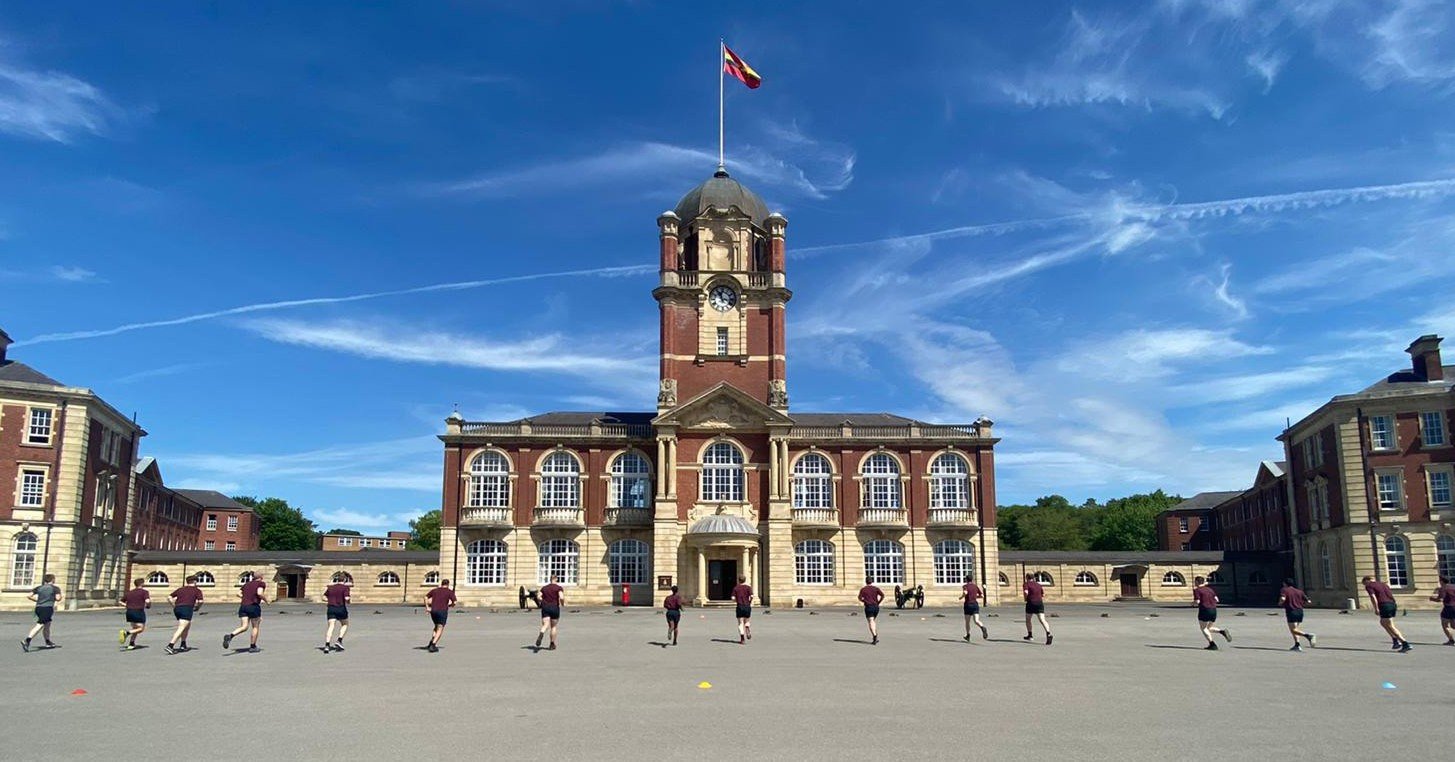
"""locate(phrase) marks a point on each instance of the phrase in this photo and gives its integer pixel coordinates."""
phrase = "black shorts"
(1207, 615)
(971, 609)
(439, 617)
(136, 616)
(182, 613)
(745, 612)
(674, 615)
(1035, 608)
(551, 612)
(1294, 616)
(1388, 610)
(43, 614)
(340, 613)
(1447, 612)
(871, 611)
(255, 611)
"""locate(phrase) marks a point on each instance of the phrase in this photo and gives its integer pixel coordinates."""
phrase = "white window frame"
(27, 493)
(1326, 565)
(387, 579)
(231, 545)
(158, 579)
(206, 579)
(560, 480)
(953, 561)
(950, 482)
(1174, 579)
(209, 544)
(560, 558)
(431, 579)
(40, 433)
(880, 473)
(1182, 524)
(1393, 478)
(722, 341)
(211, 522)
(1433, 420)
(884, 562)
(1085, 578)
(344, 542)
(813, 482)
(722, 474)
(23, 549)
(1443, 474)
(813, 562)
(366, 542)
(631, 481)
(1383, 432)
(1445, 556)
(628, 562)
(489, 481)
(232, 523)
(1397, 560)
(1045, 578)
(486, 563)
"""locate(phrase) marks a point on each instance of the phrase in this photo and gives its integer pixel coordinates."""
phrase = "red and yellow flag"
(740, 69)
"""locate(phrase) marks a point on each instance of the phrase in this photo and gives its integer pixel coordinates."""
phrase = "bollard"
(1350, 604)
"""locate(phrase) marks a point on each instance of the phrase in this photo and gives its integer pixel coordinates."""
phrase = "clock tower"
(722, 296)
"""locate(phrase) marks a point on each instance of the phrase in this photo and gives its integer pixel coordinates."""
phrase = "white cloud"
(158, 372)
(1267, 65)
(72, 274)
(1142, 354)
(1222, 292)
(347, 518)
(406, 464)
(50, 105)
(225, 487)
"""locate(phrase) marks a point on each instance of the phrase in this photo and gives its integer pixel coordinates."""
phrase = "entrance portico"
(725, 547)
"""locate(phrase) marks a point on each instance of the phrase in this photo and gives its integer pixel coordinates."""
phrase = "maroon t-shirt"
(1206, 598)
(551, 595)
(1380, 591)
(870, 595)
(743, 594)
(1034, 592)
(336, 594)
(673, 602)
(973, 592)
(252, 592)
(136, 599)
(1294, 599)
(187, 596)
(440, 598)
(1447, 595)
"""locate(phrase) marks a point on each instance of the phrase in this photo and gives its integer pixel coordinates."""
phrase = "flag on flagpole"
(740, 69)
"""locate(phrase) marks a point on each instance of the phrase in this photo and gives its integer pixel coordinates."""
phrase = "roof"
(11, 370)
(1110, 557)
(301, 557)
(1202, 501)
(585, 418)
(143, 464)
(208, 498)
(571, 417)
(1405, 380)
(1276, 467)
(721, 192)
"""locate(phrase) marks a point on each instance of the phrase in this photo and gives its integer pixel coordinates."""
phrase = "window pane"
(1433, 425)
(1381, 432)
(813, 562)
(1440, 489)
(884, 562)
(954, 560)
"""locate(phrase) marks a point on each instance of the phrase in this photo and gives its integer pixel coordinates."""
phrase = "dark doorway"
(722, 576)
(1130, 586)
(295, 584)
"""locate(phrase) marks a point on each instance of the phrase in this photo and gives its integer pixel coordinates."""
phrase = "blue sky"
(1138, 236)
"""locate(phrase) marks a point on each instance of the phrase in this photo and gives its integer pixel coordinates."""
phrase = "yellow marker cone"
(704, 685)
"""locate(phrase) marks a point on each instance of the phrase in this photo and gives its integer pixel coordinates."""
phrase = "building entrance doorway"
(295, 584)
(1131, 588)
(722, 576)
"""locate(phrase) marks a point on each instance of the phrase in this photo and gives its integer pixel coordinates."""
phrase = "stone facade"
(376, 577)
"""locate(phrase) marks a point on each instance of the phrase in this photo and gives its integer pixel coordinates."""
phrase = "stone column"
(701, 587)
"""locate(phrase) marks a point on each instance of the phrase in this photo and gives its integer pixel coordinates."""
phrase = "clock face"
(722, 298)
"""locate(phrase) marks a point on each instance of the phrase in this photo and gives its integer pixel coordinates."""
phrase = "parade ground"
(1133, 684)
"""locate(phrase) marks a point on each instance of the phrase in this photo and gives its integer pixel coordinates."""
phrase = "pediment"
(721, 408)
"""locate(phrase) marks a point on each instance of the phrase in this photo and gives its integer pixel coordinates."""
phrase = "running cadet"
(249, 611)
(185, 602)
(1382, 599)
(973, 595)
(337, 597)
(1293, 600)
(743, 597)
(553, 596)
(137, 600)
(1207, 612)
(673, 604)
(46, 596)
(1446, 598)
(1035, 596)
(871, 596)
(440, 600)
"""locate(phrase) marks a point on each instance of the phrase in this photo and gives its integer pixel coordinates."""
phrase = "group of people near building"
(186, 600)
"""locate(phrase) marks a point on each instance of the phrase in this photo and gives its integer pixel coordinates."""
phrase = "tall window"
(813, 483)
(485, 563)
(722, 342)
(232, 523)
(1397, 561)
(949, 482)
(813, 562)
(489, 481)
(1381, 432)
(722, 474)
(954, 559)
(628, 562)
(22, 560)
(881, 482)
(32, 487)
(1432, 426)
(1182, 524)
(211, 522)
(1326, 565)
(39, 430)
(560, 481)
(1391, 490)
(388, 578)
(560, 559)
(884, 562)
(1439, 489)
(1445, 556)
(631, 481)
(157, 579)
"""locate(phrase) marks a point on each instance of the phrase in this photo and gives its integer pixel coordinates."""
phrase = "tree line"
(1053, 523)
(283, 527)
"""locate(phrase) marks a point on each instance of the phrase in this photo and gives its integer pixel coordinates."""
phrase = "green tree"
(281, 526)
(1130, 523)
(1053, 523)
(424, 532)
(348, 532)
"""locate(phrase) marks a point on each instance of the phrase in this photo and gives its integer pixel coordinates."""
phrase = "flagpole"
(721, 56)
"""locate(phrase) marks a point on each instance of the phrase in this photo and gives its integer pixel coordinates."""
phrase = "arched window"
(1397, 560)
(157, 579)
(813, 482)
(949, 482)
(561, 481)
(1326, 565)
(388, 578)
(1445, 556)
(1173, 579)
(489, 481)
(485, 563)
(954, 560)
(205, 579)
(560, 559)
(343, 578)
(1004, 580)
(881, 482)
(245, 577)
(1085, 578)
(813, 562)
(22, 561)
(628, 562)
(1216, 578)
(1045, 578)
(432, 578)
(722, 474)
(631, 481)
(1257, 578)
(884, 562)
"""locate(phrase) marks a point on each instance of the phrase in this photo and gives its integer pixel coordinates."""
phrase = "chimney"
(1425, 355)
(5, 343)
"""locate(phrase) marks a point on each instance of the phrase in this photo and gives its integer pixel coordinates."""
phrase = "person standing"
(743, 597)
(440, 600)
(185, 602)
(1382, 600)
(673, 604)
(553, 596)
(1207, 612)
(1035, 597)
(249, 611)
(46, 596)
(973, 595)
(137, 600)
(1293, 601)
(1445, 596)
(871, 597)
(337, 598)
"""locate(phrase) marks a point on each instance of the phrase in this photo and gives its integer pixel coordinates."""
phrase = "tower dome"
(721, 192)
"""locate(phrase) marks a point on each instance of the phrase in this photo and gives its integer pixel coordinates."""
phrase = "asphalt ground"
(1133, 684)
